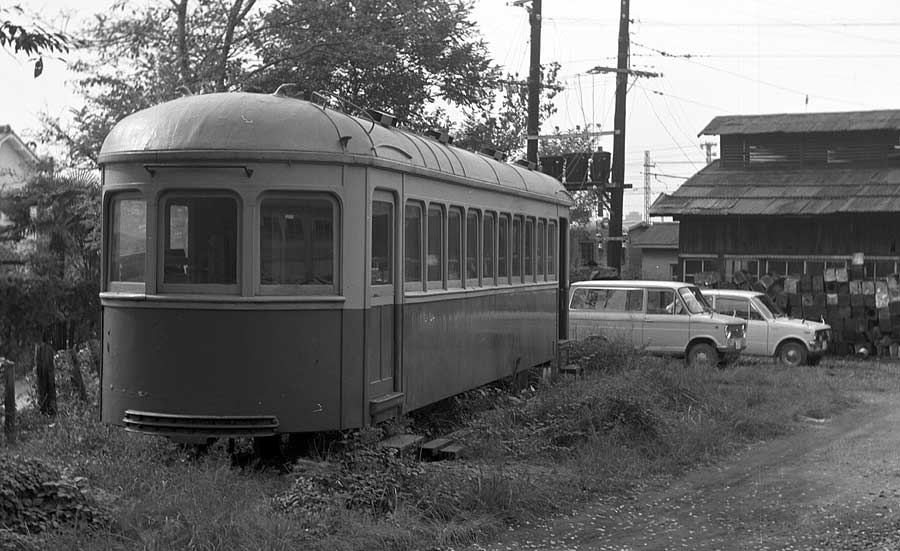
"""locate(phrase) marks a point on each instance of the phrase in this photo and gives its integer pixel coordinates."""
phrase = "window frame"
(442, 253)
(162, 234)
(530, 222)
(472, 281)
(503, 220)
(540, 253)
(552, 250)
(388, 198)
(517, 250)
(116, 286)
(300, 290)
(486, 279)
(412, 285)
(460, 213)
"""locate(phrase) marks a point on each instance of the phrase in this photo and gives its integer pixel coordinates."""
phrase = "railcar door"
(381, 317)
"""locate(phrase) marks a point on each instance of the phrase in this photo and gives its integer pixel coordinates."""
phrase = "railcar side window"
(503, 248)
(382, 243)
(517, 248)
(472, 247)
(435, 264)
(529, 247)
(412, 232)
(201, 240)
(541, 239)
(128, 239)
(552, 244)
(454, 248)
(487, 249)
(297, 241)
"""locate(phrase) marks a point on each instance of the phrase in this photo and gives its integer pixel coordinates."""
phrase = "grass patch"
(631, 419)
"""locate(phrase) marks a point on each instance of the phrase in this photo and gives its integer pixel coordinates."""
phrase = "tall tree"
(399, 56)
(502, 123)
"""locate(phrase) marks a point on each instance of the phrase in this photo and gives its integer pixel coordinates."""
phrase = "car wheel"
(791, 354)
(702, 355)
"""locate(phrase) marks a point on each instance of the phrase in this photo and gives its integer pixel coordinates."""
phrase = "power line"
(652, 108)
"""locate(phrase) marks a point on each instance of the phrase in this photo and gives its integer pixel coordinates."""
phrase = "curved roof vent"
(494, 153)
(525, 163)
(381, 117)
(442, 136)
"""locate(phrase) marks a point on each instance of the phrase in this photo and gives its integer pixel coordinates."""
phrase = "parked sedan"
(770, 332)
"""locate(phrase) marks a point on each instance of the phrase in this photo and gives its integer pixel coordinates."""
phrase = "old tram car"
(276, 266)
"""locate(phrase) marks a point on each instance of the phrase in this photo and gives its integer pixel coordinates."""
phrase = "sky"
(716, 57)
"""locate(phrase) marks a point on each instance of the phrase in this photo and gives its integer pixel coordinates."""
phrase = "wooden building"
(795, 196)
(653, 251)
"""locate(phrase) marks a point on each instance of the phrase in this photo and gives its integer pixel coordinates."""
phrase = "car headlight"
(735, 331)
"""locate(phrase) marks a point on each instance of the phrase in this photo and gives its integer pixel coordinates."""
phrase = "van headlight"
(735, 331)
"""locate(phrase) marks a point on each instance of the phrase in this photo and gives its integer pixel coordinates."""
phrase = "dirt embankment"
(831, 484)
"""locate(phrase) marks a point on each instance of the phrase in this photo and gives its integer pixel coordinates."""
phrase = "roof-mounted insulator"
(491, 152)
(285, 90)
(525, 163)
(382, 118)
(442, 136)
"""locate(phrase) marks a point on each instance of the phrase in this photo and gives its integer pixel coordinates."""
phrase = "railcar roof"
(246, 126)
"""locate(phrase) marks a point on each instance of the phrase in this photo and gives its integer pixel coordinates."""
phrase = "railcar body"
(275, 266)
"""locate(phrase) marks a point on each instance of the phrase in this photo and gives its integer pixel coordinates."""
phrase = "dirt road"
(833, 484)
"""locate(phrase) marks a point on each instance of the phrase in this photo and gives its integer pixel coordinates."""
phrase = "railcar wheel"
(791, 354)
(702, 355)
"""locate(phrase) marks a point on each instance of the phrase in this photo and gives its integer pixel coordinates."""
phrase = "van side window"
(737, 307)
(659, 301)
(608, 300)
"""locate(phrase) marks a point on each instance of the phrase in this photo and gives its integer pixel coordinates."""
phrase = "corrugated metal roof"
(662, 235)
(888, 119)
(818, 190)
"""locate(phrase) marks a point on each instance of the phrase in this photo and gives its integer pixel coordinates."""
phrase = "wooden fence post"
(9, 400)
(75, 374)
(46, 378)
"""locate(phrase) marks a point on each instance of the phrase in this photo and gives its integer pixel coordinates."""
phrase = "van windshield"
(770, 305)
(694, 301)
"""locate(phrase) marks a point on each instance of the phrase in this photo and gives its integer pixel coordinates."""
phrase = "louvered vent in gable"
(773, 150)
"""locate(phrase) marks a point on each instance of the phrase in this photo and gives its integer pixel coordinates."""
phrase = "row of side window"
(452, 247)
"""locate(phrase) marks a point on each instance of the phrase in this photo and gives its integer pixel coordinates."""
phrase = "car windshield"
(694, 301)
(767, 303)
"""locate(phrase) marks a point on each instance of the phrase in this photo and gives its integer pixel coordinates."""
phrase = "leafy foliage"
(34, 496)
(30, 40)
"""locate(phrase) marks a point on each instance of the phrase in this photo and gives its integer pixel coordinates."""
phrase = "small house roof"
(8, 136)
(662, 235)
(888, 119)
(715, 191)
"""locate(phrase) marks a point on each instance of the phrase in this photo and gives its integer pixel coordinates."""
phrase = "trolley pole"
(534, 82)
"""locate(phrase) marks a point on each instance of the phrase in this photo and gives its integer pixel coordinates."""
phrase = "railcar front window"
(296, 242)
(128, 239)
(412, 227)
(382, 246)
(201, 240)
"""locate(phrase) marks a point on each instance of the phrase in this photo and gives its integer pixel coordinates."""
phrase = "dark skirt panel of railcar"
(460, 342)
(228, 363)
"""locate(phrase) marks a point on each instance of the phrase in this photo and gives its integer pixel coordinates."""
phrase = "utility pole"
(614, 246)
(534, 82)
(647, 166)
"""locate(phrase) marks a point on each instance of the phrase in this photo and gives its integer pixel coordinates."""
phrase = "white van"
(664, 317)
(770, 332)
